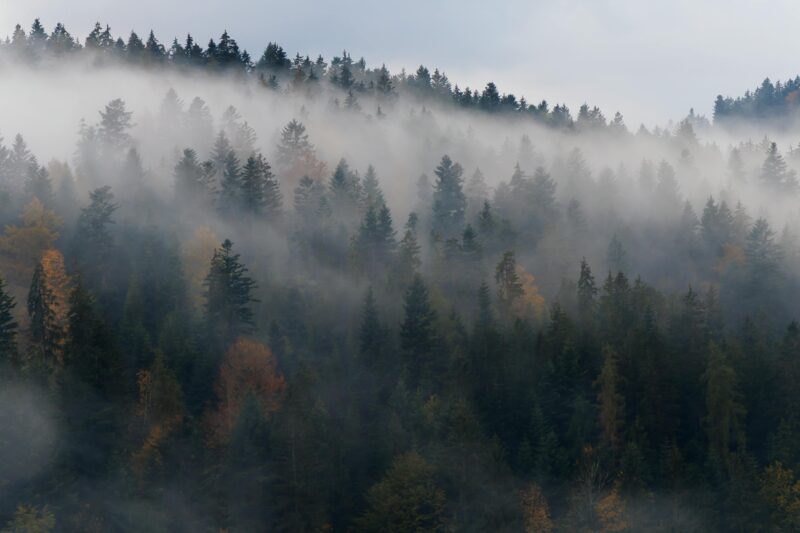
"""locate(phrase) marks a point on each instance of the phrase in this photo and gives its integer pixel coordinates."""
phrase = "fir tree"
(509, 287)
(228, 295)
(449, 202)
(8, 325)
(418, 336)
(230, 194)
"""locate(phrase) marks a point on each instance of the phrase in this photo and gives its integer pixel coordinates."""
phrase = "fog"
(407, 301)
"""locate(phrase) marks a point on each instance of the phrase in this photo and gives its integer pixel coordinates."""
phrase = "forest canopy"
(251, 293)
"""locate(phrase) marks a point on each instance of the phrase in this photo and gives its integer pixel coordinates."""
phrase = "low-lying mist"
(281, 298)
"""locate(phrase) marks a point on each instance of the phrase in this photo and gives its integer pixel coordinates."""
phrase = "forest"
(311, 295)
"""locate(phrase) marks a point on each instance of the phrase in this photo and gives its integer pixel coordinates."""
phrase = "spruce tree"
(230, 193)
(190, 179)
(252, 185)
(509, 287)
(94, 235)
(8, 325)
(115, 125)
(373, 196)
(228, 295)
(449, 203)
(372, 334)
(418, 336)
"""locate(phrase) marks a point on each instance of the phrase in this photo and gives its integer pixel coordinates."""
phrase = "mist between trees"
(292, 295)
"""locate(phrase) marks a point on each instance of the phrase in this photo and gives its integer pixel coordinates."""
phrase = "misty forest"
(264, 293)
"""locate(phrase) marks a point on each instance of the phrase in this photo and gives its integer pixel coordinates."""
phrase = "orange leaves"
(535, 510)
(22, 246)
(247, 368)
(159, 411)
(611, 512)
(731, 255)
(306, 165)
(531, 303)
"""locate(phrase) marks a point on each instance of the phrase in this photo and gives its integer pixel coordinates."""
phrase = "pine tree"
(449, 203)
(610, 400)
(38, 184)
(418, 336)
(509, 287)
(616, 257)
(372, 334)
(230, 194)
(190, 180)
(19, 162)
(8, 325)
(273, 199)
(252, 185)
(406, 499)
(373, 196)
(94, 235)
(45, 335)
(775, 173)
(476, 192)
(587, 294)
(724, 413)
(408, 260)
(228, 295)
(115, 123)
(294, 144)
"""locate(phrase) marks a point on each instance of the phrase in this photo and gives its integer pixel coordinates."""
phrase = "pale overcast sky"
(650, 59)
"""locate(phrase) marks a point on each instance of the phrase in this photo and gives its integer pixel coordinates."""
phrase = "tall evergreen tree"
(230, 193)
(449, 203)
(228, 295)
(418, 337)
(8, 325)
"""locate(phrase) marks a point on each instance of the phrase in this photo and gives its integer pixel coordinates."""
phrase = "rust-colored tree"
(159, 412)
(248, 367)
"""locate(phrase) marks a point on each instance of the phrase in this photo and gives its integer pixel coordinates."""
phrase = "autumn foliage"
(247, 368)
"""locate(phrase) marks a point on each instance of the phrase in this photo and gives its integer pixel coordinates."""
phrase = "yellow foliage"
(248, 367)
(30, 519)
(731, 255)
(21, 247)
(58, 285)
(197, 253)
(535, 510)
(159, 411)
(611, 511)
(531, 304)
(781, 492)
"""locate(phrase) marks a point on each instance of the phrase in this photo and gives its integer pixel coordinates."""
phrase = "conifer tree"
(418, 336)
(190, 179)
(509, 287)
(115, 124)
(449, 203)
(94, 235)
(610, 400)
(228, 295)
(373, 196)
(408, 260)
(372, 334)
(45, 331)
(724, 413)
(8, 325)
(230, 193)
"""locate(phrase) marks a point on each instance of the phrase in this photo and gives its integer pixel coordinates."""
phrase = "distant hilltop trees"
(274, 69)
(778, 103)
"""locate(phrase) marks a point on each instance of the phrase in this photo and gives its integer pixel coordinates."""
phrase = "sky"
(652, 60)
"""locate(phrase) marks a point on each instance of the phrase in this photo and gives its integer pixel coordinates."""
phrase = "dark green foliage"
(449, 202)
(8, 326)
(418, 337)
(228, 295)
